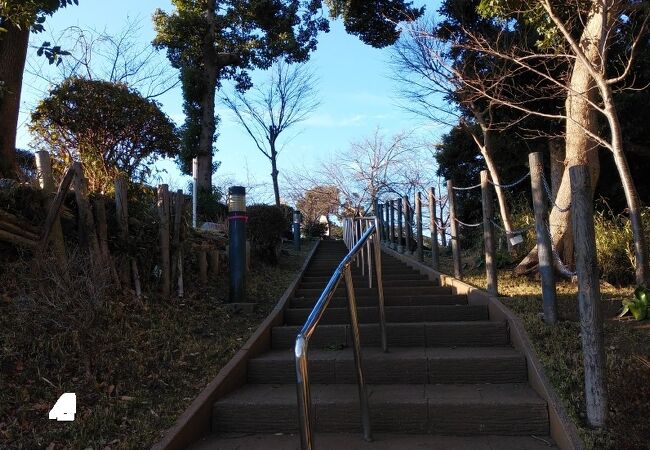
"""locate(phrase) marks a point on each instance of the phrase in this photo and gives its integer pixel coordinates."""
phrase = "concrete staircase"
(449, 372)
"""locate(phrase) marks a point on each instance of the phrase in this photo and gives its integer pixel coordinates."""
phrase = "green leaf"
(642, 295)
(639, 312)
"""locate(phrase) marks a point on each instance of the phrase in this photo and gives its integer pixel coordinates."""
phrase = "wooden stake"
(214, 263)
(455, 243)
(400, 231)
(544, 249)
(392, 225)
(178, 201)
(418, 222)
(102, 229)
(46, 181)
(203, 267)
(163, 212)
(181, 291)
(55, 208)
(87, 233)
(488, 235)
(433, 226)
(591, 318)
(136, 278)
(408, 229)
(122, 215)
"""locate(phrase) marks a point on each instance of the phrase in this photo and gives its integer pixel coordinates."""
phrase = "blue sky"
(356, 92)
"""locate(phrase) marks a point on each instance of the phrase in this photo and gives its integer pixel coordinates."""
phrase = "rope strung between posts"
(469, 225)
(468, 188)
(550, 196)
(510, 185)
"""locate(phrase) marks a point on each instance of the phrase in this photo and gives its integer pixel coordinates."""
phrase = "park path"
(451, 379)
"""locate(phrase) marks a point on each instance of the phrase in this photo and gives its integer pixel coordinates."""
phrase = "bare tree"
(433, 86)
(266, 111)
(101, 55)
(371, 169)
(583, 41)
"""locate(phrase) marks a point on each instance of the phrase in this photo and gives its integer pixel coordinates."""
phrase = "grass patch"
(560, 352)
(134, 367)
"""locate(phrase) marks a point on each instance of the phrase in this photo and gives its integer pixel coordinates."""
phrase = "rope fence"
(405, 220)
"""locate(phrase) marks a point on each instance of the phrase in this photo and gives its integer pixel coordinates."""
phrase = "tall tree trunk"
(631, 196)
(486, 148)
(580, 147)
(556, 161)
(504, 210)
(208, 123)
(274, 174)
(13, 52)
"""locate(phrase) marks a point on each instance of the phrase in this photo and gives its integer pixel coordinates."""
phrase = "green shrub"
(266, 225)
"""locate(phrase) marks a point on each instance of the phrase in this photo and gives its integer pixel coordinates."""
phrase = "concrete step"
(418, 334)
(474, 409)
(381, 441)
(364, 282)
(394, 314)
(398, 300)
(365, 291)
(325, 278)
(417, 365)
(327, 270)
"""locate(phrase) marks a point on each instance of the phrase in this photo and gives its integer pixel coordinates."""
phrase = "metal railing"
(359, 235)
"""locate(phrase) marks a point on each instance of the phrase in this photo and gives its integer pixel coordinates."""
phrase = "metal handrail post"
(356, 346)
(304, 394)
(380, 294)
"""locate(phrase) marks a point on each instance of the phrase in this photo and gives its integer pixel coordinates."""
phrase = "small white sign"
(516, 239)
(65, 408)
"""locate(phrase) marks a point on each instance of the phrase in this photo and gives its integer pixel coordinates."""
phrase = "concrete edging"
(195, 421)
(562, 429)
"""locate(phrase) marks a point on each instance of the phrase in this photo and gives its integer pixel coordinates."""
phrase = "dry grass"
(559, 349)
(134, 367)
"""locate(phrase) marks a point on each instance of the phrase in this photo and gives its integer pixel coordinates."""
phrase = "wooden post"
(418, 213)
(214, 263)
(178, 201)
(392, 225)
(136, 278)
(87, 233)
(102, 234)
(46, 181)
(181, 289)
(544, 249)
(386, 221)
(380, 221)
(55, 207)
(163, 212)
(122, 215)
(408, 225)
(433, 226)
(203, 267)
(455, 243)
(400, 247)
(591, 319)
(488, 234)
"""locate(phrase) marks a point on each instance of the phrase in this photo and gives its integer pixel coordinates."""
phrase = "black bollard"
(296, 230)
(237, 219)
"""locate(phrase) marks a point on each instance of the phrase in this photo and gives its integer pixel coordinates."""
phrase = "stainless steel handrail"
(357, 241)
